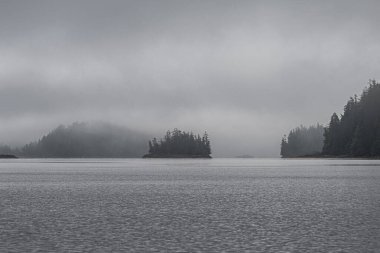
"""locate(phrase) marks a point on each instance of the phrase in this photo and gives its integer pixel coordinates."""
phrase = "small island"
(180, 144)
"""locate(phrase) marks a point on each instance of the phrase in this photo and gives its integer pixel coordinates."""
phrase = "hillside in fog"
(88, 140)
(247, 71)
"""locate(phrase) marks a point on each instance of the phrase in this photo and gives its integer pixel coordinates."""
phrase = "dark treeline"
(84, 140)
(356, 132)
(180, 144)
(303, 141)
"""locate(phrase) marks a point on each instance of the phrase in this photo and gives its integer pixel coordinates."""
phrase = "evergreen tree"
(284, 147)
(332, 136)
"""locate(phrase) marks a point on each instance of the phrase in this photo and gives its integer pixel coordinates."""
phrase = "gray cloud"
(245, 71)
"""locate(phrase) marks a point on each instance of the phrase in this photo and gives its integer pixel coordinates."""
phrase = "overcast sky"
(245, 71)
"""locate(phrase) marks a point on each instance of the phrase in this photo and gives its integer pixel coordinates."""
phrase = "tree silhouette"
(180, 143)
(357, 132)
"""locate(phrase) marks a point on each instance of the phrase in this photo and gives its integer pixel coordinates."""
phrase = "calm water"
(231, 205)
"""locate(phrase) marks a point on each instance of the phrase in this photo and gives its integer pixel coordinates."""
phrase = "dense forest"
(91, 140)
(180, 144)
(356, 132)
(303, 141)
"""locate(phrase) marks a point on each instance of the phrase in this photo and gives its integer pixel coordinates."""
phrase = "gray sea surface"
(189, 205)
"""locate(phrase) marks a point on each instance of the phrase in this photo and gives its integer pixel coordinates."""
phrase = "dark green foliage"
(87, 140)
(178, 142)
(303, 141)
(357, 132)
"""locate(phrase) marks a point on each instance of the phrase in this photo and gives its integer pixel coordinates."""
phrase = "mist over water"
(108, 79)
(184, 205)
(246, 72)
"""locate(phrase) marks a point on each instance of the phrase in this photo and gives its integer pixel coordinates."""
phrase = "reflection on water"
(235, 205)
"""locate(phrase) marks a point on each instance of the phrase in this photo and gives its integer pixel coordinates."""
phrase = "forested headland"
(180, 144)
(84, 140)
(355, 133)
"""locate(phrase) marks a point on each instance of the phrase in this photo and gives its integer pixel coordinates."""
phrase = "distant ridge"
(88, 140)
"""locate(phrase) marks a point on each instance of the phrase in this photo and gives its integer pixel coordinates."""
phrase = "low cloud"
(244, 71)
